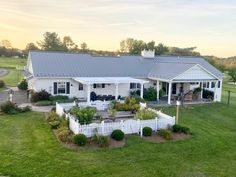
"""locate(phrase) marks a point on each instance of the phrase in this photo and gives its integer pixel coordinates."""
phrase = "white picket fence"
(129, 126)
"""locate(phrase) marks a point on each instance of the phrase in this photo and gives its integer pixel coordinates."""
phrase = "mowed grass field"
(13, 77)
(28, 148)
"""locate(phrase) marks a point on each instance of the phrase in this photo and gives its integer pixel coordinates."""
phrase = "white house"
(77, 75)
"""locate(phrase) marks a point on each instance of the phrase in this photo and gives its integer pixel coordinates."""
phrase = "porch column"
(169, 93)
(201, 89)
(88, 92)
(141, 91)
(117, 91)
(158, 89)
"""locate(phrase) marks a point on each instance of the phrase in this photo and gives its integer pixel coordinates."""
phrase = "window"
(98, 85)
(81, 87)
(61, 87)
(219, 84)
(212, 84)
(135, 86)
(204, 85)
(208, 85)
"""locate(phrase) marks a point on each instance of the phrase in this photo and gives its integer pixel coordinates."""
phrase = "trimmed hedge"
(23, 85)
(2, 84)
(117, 135)
(80, 139)
(181, 129)
(43, 103)
(147, 131)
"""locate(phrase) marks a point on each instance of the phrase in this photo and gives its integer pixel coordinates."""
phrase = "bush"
(58, 97)
(25, 109)
(9, 108)
(181, 129)
(43, 103)
(117, 135)
(53, 109)
(74, 110)
(23, 85)
(145, 114)
(85, 115)
(2, 84)
(40, 96)
(52, 116)
(129, 105)
(166, 134)
(80, 139)
(111, 112)
(150, 94)
(102, 141)
(161, 93)
(147, 131)
(64, 135)
(55, 124)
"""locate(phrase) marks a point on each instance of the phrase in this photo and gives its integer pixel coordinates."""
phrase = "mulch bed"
(90, 144)
(175, 137)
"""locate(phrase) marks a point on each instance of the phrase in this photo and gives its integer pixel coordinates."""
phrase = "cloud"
(10, 27)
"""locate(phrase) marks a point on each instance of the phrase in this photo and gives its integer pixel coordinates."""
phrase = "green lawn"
(13, 76)
(6, 62)
(28, 148)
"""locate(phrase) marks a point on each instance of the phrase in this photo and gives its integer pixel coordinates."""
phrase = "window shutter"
(94, 85)
(55, 88)
(68, 88)
(103, 85)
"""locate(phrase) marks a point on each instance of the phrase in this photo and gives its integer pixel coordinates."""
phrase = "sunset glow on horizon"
(210, 25)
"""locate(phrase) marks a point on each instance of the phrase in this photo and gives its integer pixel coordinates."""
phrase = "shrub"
(23, 85)
(111, 112)
(64, 135)
(52, 116)
(58, 97)
(43, 103)
(53, 109)
(181, 129)
(117, 135)
(74, 110)
(161, 93)
(9, 108)
(80, 139)
(102, 141)
(145, 114)
(64, 122)
(39, 96)
(55, 124)
(25, 109)
(166, 134)
(2, 84)
(85, 115)
(129, 105)
(150, 94)
(147, 131)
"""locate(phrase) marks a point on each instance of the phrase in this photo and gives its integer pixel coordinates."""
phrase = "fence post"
(141, 131)
(139, 123)
(173, 120)
(156, 121)
(102, 125)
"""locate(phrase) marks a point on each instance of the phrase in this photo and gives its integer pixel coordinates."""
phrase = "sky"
(210, 25)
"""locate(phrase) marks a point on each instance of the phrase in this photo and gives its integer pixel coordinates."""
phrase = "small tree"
(23, 85)
(232, 74)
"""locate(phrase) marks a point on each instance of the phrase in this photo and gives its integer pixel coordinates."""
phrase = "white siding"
(195, 73)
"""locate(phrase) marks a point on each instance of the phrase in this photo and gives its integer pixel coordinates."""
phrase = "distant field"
(11, 62)
(13, 76)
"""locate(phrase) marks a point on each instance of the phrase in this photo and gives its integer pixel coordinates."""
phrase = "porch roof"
(109, 80)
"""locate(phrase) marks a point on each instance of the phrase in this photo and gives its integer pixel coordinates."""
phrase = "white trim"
(108, 80)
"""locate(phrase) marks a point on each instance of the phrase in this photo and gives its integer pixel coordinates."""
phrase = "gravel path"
(3, 72)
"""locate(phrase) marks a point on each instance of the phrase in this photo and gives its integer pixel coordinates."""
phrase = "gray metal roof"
(59, 64)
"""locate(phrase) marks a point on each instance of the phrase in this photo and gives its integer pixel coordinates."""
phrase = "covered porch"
(116, 86)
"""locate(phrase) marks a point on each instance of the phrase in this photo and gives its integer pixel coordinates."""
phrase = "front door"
(81, 91)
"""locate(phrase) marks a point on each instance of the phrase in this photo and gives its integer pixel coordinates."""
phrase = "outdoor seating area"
(94, 97)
